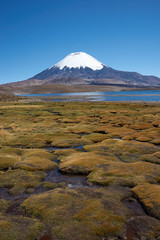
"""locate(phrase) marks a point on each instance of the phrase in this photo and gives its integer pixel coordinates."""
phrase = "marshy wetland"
(80, 171)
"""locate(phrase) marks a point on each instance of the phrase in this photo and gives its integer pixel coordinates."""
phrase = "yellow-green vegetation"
(67, 141)
(19, 180)
(38, 124)
(3, 205)
(32, 163)
(128, 151)
(123, 174)
(94, 137)
(153, 158)
(82, 213)
(83, 163)
(18, 228)
(8, 157)
(50, 185)
(149, 195)
(7, 161)
(115, 144)
(80, 128)
(33, 160)
(61, 153)
(156, 141)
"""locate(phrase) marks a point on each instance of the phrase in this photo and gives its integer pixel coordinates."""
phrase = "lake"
(143, 95)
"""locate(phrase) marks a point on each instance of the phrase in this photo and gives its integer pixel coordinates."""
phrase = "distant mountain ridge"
(81, 68)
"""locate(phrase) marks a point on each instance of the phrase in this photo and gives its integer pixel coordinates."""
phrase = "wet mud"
(71, 181)
(15, 209)
(133, 232)
(4, 194)
(136, 208)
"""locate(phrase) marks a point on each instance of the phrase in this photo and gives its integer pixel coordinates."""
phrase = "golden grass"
(94, 137)
(19, 180)
(149, 195)
(83, 213)
(129, 151)
(123, 174)
(30, 159)
(67, 141)
(61, 153)
(83, 162)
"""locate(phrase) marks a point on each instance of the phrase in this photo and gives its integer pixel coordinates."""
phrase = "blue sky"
(35, 34)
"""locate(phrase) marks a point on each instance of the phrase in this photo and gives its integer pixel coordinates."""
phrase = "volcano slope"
(79, 171)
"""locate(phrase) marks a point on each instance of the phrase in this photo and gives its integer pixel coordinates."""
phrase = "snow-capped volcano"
(79, 68)
(78, 60)
(77, 65)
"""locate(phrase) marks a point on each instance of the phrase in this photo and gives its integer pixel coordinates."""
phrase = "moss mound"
(149, 195)
(19, 180)
(19, 228)
(66, 141)
(3, 205)
(128, 175)
(127, 150)
(31, 159)
(82, 163)
(82, 213)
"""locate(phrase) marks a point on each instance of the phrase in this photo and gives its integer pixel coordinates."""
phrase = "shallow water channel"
(72, 181)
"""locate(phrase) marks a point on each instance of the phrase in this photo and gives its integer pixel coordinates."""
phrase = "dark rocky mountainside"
(89, 76)
(82, 69)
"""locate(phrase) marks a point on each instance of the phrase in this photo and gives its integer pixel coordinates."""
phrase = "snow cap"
(78, 60)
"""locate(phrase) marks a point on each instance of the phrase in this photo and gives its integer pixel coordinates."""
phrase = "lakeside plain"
(79, 170)
(16, 89)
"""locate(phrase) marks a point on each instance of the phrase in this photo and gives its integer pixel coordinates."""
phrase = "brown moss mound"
(3, 205)
(31, 159)
(36, 164)
(94, 137)
(83, 162)
(8, 157)
(129, 151)
(7, 161)
(153, 158)
(149, 195)
(18, 228)
(82, 213)
(65, 141)
(61, 153)
(19, 180)
(36, 159)
(123, 174)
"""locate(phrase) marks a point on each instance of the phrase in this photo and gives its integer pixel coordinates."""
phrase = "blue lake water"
(145, 95)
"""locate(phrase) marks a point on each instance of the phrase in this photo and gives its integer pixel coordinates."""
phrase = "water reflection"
(145, 95)
(127, 98)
